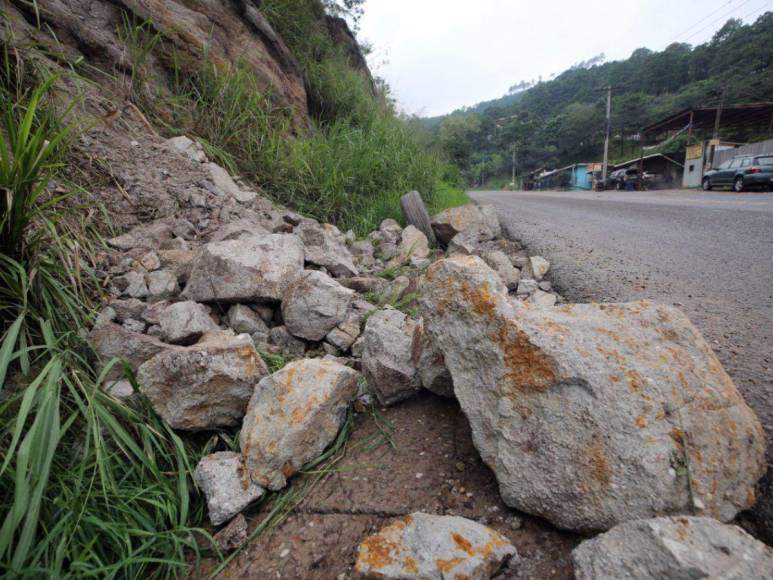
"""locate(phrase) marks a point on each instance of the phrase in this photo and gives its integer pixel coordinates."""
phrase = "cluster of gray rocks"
(594, 417)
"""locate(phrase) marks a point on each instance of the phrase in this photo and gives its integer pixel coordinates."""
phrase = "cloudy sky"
(439, 55)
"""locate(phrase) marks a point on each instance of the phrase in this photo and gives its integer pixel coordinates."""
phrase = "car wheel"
(738, 184)
(706, 184)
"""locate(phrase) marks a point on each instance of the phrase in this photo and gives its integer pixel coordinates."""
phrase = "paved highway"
(710, 254)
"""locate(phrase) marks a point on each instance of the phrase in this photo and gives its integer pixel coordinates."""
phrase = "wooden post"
(416, 214)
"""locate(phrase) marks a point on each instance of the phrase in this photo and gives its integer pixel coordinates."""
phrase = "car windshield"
(765, 160)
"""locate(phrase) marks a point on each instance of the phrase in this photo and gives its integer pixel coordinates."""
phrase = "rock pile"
(589, 415)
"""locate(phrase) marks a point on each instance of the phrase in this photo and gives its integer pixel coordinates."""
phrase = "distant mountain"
(561, 121)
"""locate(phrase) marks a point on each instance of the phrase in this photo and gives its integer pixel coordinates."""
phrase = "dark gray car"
(741, 173)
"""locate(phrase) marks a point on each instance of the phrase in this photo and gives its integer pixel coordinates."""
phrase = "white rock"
(226, 485)
(387, 357)
(185, 322)
(682, 547)
(470, 217)
(413, 244)
(539, 267)
(323, 247)
(245, 270)
(502, 265)
(161, 284)
(314, 305)
(189, 148)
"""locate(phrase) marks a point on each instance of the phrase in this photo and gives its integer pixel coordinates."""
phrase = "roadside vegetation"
(90, 487)
(353, 164)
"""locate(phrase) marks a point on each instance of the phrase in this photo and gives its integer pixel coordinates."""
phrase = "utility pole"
(514, 148)
(606, 139)
(719, 114)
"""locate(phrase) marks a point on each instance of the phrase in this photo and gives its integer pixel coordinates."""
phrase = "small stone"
(423, 546)
(205, 386)
(542, 299)
(131, 284)
(133, 325)
(539, 267)
(150, 261)
(185, 322)
(460, 466)
(314, 305)
(527, 287)
(233, 535)
(225, 484)
(678, 547)
(280, 337)
(387, 358)
(244, 320)
(162, 284)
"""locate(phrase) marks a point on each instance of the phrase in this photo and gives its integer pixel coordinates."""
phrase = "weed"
(276, 361)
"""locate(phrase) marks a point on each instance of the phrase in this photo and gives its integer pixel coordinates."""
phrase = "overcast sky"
(439, 55)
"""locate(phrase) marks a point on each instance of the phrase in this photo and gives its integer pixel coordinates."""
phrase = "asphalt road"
(710, 254)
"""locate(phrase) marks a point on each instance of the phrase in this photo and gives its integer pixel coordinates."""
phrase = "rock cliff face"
(230, 32)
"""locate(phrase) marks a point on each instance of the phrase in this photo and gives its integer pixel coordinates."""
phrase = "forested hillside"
(561, 121)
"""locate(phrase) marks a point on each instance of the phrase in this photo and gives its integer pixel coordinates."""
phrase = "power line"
(709, 15)
(723, 17)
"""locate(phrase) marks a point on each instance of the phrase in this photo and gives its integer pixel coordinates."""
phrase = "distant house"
(572, 177)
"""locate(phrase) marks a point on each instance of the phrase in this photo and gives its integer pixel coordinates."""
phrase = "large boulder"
(424, 546)
(592, 414)
(387, 358)
(479, 218)
(314, 305)
(245, 270)
(673, 548)
(205, 386)
(224, 481)
(293, 416)
(325, 246)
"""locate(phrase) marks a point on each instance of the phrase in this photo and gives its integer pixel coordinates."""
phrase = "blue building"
(572, 177)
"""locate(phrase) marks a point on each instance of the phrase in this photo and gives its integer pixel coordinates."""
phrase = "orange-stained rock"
(427, 546)
(592, 414)
(293, 416)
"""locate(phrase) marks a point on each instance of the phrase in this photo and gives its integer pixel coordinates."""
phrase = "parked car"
(741, 172)
(620, 178)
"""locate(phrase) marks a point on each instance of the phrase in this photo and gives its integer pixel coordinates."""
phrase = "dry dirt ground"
(432, 467)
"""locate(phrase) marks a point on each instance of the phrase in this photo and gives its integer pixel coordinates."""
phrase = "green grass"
(352, 166)
(90, 487)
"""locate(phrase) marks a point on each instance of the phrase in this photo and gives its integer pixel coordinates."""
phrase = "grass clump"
(90, 486)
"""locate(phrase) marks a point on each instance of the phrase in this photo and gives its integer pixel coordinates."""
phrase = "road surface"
(710, 254)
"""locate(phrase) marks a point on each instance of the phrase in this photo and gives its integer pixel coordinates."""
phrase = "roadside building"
(572, 177)
(664, 172)
(704, 127)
